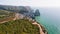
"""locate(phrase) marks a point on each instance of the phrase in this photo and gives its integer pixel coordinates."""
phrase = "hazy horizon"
(34, 3)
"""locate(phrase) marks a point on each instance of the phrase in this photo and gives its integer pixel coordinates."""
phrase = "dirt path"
(6, 20)
(41, 31)
(9, 19)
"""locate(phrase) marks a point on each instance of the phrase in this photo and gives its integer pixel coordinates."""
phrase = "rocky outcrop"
(26, 10)
(37, 13)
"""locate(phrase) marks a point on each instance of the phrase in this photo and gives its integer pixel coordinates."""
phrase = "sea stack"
(37, 13)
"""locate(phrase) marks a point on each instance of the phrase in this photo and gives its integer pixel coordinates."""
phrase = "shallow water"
(50, 19)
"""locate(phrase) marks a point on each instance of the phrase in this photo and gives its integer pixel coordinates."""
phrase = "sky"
(37, 3)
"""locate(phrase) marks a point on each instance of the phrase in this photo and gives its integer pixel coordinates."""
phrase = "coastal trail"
(41, 31)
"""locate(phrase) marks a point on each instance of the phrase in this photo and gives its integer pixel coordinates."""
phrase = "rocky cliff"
(26, 10)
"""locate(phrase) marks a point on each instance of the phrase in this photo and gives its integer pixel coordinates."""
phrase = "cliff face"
(26, 10)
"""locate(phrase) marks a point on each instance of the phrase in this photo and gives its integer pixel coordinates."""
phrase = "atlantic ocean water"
(50, 19)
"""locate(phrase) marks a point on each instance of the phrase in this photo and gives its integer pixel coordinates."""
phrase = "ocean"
(50, 19)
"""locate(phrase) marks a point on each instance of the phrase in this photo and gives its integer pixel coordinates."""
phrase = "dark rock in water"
(37, 13)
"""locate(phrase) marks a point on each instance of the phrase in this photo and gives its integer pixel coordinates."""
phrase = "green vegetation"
(22, 26)
(5, 14)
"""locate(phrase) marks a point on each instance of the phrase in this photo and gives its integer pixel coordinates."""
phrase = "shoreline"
(41, 28)
(34, 22)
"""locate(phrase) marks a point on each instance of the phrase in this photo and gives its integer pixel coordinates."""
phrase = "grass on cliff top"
(5, 14)
(21, 26)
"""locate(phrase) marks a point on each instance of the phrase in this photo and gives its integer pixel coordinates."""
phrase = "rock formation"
(37, 13)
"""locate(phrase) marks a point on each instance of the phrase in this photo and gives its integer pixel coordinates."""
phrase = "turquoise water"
(50, 19)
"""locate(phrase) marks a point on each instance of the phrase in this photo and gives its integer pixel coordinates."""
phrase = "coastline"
(34, 22)
(41, 28)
